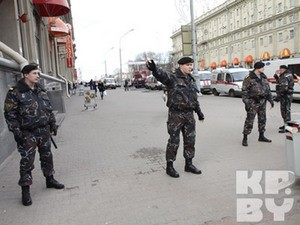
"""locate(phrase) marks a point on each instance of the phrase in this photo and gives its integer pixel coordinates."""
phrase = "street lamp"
(105, 59)
(120, 51)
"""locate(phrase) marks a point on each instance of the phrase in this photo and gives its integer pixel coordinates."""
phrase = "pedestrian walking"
(126, 86)
(284, 90)
(101, 88)
(95, 87)
(255, 94)
(29, 116)
(182, 102)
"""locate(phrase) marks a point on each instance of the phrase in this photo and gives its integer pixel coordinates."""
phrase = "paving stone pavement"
(112, 162)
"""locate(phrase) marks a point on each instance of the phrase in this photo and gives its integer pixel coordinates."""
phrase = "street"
(112, 162)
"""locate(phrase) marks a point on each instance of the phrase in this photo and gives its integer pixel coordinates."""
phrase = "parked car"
(228, 81)
(205, 81)
(152, 83)
(138, 81)
(109, 83)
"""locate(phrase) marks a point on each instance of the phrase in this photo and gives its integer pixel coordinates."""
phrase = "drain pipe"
(67, 87)
(21, 62)
(14, 55)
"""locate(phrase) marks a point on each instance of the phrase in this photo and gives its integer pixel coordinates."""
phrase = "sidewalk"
(112, 163)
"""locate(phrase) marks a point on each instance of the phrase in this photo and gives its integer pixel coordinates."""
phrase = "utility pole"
(194, 48)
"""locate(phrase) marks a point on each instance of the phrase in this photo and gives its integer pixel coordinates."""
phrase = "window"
(228, 77)
(280, 37)
(253, 44)
(292, 18)
(279, 7)
(270, 25)
(270, 39)
(292, 3)
(220, 76)
(292, 34)
(270, 12)
(261, 41)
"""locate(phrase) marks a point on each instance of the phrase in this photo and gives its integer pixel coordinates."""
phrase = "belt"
(33, 129)
(181, 110)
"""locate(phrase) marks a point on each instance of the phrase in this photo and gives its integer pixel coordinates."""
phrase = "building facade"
(38, 31)
(240, 32)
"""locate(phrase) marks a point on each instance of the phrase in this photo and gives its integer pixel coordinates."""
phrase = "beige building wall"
(239, 28)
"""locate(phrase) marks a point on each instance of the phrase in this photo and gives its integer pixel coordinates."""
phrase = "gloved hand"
(53, 129)
(200, 115)
(276, 77)
(276, 99)
(272, 104)
(151, 65)
(247, 107)
(19, 137)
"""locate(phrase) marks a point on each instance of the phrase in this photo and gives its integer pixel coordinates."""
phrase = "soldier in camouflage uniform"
(255, 94)
(29, 116)
(182, 102)
(284, 90)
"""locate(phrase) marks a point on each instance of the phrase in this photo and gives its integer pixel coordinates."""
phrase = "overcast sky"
(99, 26)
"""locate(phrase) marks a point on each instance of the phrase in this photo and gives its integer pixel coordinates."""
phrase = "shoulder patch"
(8, 106)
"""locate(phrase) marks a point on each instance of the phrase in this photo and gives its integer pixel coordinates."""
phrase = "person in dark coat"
(284, 89)
(101, 88)
(255, 94)
(29, 116)
(182, 103)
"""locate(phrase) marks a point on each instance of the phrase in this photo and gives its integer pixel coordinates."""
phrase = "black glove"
(276, 99)
(19, 137)
(276, 77)
(200, 115)
(151, 65)
(53, 129)
(247, 107)
(272, 104)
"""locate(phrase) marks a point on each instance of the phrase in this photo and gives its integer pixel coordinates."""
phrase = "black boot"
(52, 183)
(245, 140)
(281, 129)
(262, 138)
(26, 198)
(189, 167)
(171, 171)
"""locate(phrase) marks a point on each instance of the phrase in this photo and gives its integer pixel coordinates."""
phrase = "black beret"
(185, 60)
(283, 67)
(29, 67)
(259, 65)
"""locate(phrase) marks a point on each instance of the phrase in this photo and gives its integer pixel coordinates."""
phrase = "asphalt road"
(112, 161)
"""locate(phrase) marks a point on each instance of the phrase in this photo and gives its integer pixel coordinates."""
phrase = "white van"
(293, 65)
(205, 81)
(228, 81)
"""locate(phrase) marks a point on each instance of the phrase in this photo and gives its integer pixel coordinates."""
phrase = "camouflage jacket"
(255, 88)
(285, 84)
(27, 109)
(182, 90)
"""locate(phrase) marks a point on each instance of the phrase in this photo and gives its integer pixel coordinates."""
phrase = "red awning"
(265, 56)
(48, 8)
(223, 63)
(285, 53)
(249, 59)
(57, 28)
(235, 61)
(213, 65)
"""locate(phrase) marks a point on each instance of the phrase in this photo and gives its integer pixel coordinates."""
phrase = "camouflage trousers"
(258, 108)
(285, 107)
(184, 122)
(35, 139)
